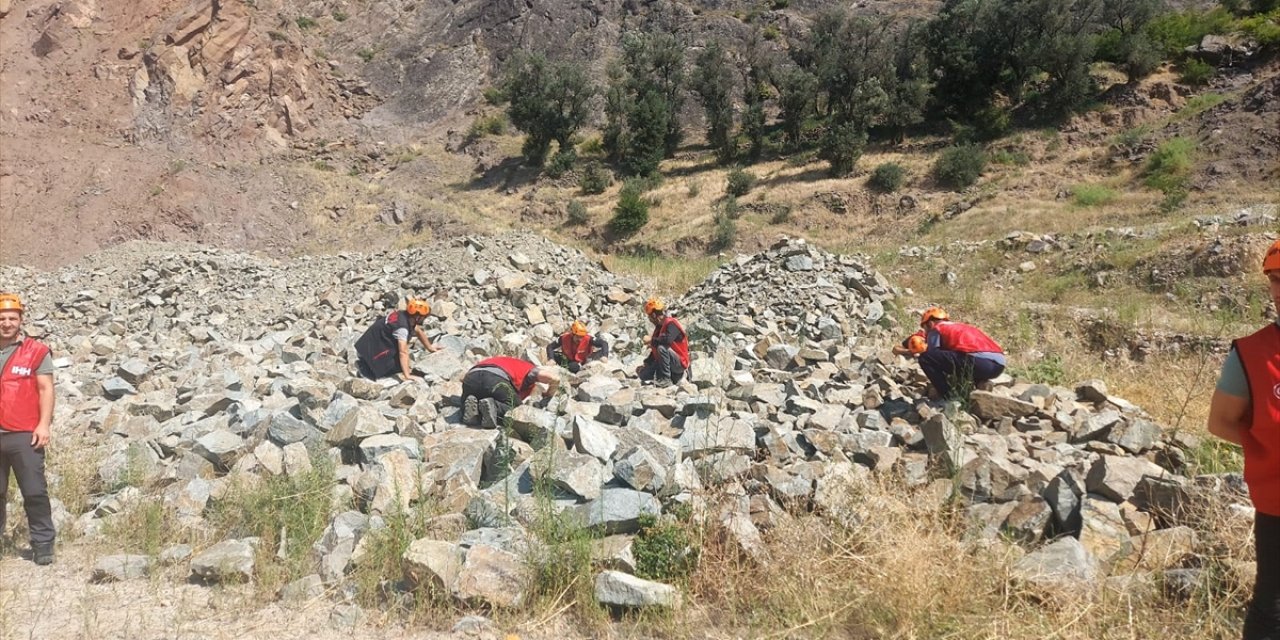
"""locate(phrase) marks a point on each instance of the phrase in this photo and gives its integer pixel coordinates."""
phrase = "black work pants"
(1263, 620)
(666, 364)
(947, 369)
(27, 463)
(486, 383)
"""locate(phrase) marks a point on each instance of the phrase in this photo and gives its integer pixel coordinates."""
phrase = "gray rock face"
(220, 447)
(432, 563)
(618, 510)
(623, 590)
(718, 433)
(1061, 564)
(988, 405)
(1134, 436)
(492, 577)
(640, 470)
(227, 561)
(120, 568)
(1115, 476)
(286, 429)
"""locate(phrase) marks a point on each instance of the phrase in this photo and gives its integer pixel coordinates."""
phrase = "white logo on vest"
(26, 371)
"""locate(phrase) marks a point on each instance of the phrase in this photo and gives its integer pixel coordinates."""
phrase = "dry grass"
(906, 572)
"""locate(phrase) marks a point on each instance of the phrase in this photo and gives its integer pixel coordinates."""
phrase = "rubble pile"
(196, 371)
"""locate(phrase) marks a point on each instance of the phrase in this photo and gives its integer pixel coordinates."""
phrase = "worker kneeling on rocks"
(496, 385)
(575, 347)
(383, 350)
(668, 347)
(952, 354)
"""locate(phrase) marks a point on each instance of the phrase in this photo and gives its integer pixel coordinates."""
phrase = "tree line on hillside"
(978, 67)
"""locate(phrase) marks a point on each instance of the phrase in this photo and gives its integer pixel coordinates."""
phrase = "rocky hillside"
(194, 384)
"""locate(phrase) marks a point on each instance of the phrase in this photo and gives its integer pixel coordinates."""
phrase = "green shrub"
(1195, 72)
(664, 551)
(592, 146)
(1265, 28)
(306, 23)
(561, 163)
(1168, 168)
(494, 96)
(1046, 370)
(694, 189)
(577, 213)
(340, 16)
(782, 215)
(781, 4)
(960, 166)
(595, 179)
(487, 125)
(632, 210)
(1093, 195)
(1015, 157)
(1173, 32)
(740, 182)
(366, 54)
(887, 177)
(726, 230)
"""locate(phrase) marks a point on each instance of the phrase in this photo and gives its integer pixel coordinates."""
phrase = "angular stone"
(1061, 564)
(120, 568)
(942, 438)
(349, 423)
(493, 577)
(619, 589)
(618, 510)
(286, 429)
(640, 470)
(988, 405)
(782, 356)
(704, 435)
(303, 589)
(296, 459)
(594, 439)
(117, 387)
(598, 388)
(988, 478)
(1028, 520)
(133, 370)
(1135, 436)
(432, 564)
(614, 553)
(226, 561)
(1115, 476)
(1102, 529)
(1156, 550)
(577, 473)
(220, 447)
(376, 446)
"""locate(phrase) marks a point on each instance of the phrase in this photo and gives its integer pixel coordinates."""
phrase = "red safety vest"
(681, 348)
(1260, 355)
(575, 353)
(957, 336)
(19, 392)
(516, 369)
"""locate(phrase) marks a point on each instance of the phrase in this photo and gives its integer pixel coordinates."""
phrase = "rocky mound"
(197, 372)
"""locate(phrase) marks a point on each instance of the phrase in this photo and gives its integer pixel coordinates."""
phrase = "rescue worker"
(383, 350)
(1245, 410)
(496, 385)
(26, 418)
(575, 347)
(668, 358)
(952, 354)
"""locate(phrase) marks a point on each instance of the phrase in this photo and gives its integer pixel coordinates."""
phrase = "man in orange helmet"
(953, 353)
(574, 347)
(496, 385)
(1245, 410)
(26, 416)
(383, 350)
(668, 347)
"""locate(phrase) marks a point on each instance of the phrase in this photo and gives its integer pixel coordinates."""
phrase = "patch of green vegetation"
(1195, 72)
(960, 166)
(1168, 170)
(490, 125)
(664, 550)
(321, 165)
(1199, 104)
(740, 182)
(576, 213)
(340, 15)
(305, 22)
(595, 179)
(887, 177)
(1093, 195)
(366, 54)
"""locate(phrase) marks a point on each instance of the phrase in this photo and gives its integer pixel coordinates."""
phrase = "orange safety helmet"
(933, 313)
(417, 307)
(1272, 260)
(654, 304)
(11, 302)
(578, 328)
(917, 345)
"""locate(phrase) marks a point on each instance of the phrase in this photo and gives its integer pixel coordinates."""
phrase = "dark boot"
(42, 554)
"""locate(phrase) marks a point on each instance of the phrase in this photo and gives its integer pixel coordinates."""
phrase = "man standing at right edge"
(26, 413)
(1246, 410)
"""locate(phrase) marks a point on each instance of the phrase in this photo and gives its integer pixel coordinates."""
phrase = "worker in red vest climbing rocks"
(576, 346)
(26, 418)
(383, 350)
(496, 385)
(1245, 410)
(954, 356)
(668, 347)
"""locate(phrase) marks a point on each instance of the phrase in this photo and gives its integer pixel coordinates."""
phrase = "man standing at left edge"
(26, 412)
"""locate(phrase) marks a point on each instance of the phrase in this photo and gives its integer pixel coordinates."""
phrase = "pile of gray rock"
(194, 372)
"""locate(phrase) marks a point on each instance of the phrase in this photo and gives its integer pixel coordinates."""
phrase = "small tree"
(595, 179)
(797, 91)
(713, 82)
(887, 177)
(546, 100)
(632, 210)
(960, 166)
(842, 146)
(740, 182)
(576, 213)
